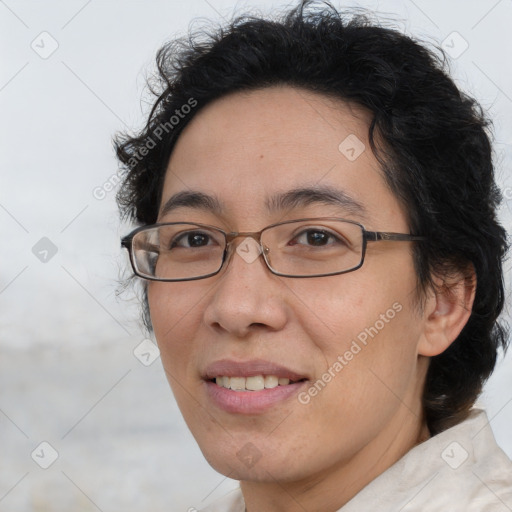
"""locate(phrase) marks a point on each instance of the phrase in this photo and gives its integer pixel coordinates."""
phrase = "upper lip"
(232, 368)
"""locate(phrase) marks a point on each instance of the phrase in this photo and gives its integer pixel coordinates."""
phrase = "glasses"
(317, 247)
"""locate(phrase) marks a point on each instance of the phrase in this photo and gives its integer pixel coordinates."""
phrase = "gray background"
(68, 372)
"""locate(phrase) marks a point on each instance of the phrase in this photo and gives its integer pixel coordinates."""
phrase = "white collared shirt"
(459, 470)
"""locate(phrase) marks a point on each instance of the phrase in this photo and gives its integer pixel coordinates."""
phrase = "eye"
(316, 238)
(192, 239)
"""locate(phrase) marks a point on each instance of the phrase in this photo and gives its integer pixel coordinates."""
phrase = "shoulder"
(461, 469)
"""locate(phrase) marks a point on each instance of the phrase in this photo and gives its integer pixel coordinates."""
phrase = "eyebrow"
(318, 194)
(192, 199)
(289, 200)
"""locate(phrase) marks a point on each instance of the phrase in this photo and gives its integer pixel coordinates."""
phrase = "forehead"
(247, 148)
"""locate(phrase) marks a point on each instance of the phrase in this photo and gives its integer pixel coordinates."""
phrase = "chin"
(241, 459)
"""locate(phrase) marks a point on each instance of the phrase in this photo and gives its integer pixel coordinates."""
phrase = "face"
(348, 343)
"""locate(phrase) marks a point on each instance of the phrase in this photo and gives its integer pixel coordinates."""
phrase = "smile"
(255, 383)
(250, 387)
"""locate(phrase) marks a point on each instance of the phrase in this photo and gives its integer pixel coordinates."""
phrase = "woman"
(322, 265)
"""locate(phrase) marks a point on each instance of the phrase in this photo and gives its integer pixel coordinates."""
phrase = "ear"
(447, 311)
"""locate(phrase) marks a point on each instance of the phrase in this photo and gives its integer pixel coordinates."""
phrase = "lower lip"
(250, 402)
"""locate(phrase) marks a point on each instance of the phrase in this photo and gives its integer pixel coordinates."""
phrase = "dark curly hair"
(430, 139)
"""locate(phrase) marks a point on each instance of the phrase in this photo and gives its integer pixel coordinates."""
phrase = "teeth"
(271, 381)
(255, 383)
(237, 383)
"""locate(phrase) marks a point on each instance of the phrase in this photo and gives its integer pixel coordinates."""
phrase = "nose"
(247, 296)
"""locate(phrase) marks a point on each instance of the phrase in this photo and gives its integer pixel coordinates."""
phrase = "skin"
(242, 149)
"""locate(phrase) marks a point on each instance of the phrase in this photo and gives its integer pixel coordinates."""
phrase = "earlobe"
(447, 311)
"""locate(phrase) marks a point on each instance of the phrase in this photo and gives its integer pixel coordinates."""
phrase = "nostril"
(257, 324)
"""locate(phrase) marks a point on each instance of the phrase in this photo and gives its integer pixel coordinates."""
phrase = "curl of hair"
(430, 139)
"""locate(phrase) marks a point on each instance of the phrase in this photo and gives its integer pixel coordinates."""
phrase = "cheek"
(349, 306)
(368, 365)
(175, 316)
(364, 325)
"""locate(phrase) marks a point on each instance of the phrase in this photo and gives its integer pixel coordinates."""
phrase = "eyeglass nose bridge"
(255, 235)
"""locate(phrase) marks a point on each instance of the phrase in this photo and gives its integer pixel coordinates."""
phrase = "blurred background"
(87, 420)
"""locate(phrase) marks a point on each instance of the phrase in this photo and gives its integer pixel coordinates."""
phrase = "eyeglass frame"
(368, 236)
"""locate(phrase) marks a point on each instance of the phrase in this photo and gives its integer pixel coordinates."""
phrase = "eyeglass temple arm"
(375, 236)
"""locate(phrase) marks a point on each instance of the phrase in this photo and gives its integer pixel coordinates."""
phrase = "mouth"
(250, 387)
(254, 383)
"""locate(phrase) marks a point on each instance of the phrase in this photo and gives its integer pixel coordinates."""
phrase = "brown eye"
(193, 240)
(315, 238)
